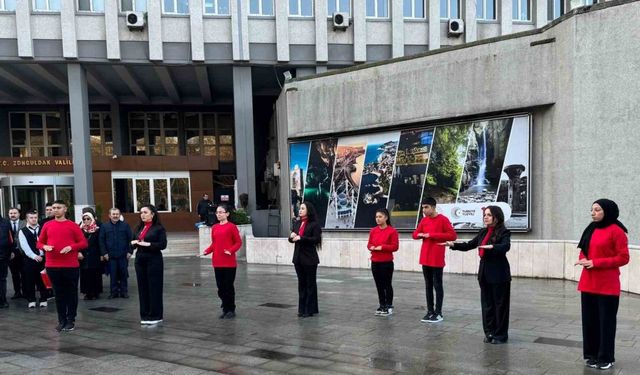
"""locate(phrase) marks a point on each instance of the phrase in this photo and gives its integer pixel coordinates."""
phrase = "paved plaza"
(345, 338)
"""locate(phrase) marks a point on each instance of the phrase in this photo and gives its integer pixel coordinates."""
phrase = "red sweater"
(609, 251)
(388, 239)
(224, 237)
(440, 230)
(61, 234)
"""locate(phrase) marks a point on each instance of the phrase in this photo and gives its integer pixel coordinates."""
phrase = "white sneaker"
(43, 303)
(144, 322)
(152, 322)
(32, 305)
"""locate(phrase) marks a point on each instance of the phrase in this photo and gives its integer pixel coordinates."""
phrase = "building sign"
(465, 167)
(26, 165)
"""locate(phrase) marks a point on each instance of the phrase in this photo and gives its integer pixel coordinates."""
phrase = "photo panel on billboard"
(514, 182)
(298, 162)
(345, 187)
(375, 185)
(322, 154)
(408, 177)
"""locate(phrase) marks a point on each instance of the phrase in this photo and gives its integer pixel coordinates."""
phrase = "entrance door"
(32, 197)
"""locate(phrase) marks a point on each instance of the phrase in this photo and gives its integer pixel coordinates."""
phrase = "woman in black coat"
(306, 236)
(150, 239)
(494, 274)
(90, 264)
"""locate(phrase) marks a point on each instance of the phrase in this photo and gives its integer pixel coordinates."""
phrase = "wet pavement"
(345, 338)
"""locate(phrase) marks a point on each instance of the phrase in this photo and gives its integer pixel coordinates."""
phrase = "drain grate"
(558, 342)
(277, 305)
(106, 309)
(269, 354)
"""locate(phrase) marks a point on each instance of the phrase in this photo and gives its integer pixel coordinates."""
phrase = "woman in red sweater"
(383, 241)
(603, 250)
(225, 242)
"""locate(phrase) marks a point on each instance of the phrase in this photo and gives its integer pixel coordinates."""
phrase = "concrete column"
(5, 147)
(68, 26)
(154, 18)
(240, 29)
(82, 165)
(397, 29)
(111, 29)
(470, 29)
(506, 17)
(541, 8)
(197, 30)
(434, 24)
(116, 130)
(282, 126)
(282, 30)
(358, 14)
(243, 118)
(322, 49)
(23, 28)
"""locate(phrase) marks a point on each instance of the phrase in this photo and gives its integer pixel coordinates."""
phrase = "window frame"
(134, 7)
(377, 16)
(448, 15)
(150, 177)
(260, 6)
(519, 11)
(175, 5)
(413, 10)
(35, 9)
(91, 6)
(146, 128)
(484, 11)
(217, 135)
(337, 3)
(45, 132)
(216, 7)
(3, 7)
(300, 10)
(102, 129)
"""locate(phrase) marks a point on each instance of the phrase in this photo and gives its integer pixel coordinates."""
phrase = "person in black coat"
(90, 264)
(494, 273)
(306, 236)
(150, 238)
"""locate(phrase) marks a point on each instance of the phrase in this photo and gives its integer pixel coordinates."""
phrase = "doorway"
(28, 198)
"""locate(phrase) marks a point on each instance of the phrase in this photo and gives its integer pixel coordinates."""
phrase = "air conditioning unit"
(456, 27)
(135, 20)
(340, 21)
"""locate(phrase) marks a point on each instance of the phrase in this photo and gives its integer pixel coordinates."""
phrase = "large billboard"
(464, 166)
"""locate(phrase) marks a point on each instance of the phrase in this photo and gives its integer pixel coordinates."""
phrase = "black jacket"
(6, 239)
(305, 251)
(156, 236)
(92, 252)
(494, 266)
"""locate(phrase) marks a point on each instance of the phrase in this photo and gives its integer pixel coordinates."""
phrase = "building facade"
(104, 113)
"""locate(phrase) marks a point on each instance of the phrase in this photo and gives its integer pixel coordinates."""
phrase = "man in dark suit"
(16, 264)
(203, 207)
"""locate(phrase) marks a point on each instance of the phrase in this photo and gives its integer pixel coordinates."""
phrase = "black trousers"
(599, 326)
(382, 275)
(4, 270)
(16, 266)
(307, 289)
(150, 275)
(433, 280)
(119, 273)
(91, 281)
(225, 276)
(32, 279)
(495, 299)
(65, 286)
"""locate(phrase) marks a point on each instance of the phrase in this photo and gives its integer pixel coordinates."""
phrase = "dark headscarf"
(611, 213)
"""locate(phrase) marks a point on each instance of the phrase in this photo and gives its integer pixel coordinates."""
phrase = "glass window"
(160, 194)
(167, 194)
(220, 7)
(91, 6)
(486, 9)
(521, 10)
(413, 9)
(377, 9)
(100, 133)
(301, 8)
(449, 9)
(334, 6)
(180, 201)
(8, 5)
(123, 194)
(154, 133)
(35, 134)
(143, 194)
(176, 6)
(46, 5)
(555, 9)
(134, 5)
(210, 134)
(261, 7)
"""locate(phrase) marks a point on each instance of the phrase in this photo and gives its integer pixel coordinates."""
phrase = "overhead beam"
(50, 77)
(202, 77)
(135, 87)
(100, 87)
(18, 82)
(168, 84)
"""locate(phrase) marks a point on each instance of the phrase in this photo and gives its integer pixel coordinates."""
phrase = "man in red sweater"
(62, 239)
(433, 229)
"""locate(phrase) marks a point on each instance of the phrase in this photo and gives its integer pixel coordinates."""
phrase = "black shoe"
(496, 341)
(17, 296)
(427, 317)
(60, 327)
(70, 326)
(605, 365)
(229, 315)
(4, 305)
(124, 295)
(591, 363)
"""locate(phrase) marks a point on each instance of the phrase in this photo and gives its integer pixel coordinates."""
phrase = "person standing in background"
(16, 264)
(115, 247)
(33, 261)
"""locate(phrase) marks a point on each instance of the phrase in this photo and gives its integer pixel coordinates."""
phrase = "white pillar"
(434, 24)
(282, 30)
(197, 30)
(322, 50)
(397, 29)
(359, 31)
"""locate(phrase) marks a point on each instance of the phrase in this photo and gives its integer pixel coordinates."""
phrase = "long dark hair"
(312, 214)
(154, 221)
(498, 217)
(385, 212)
